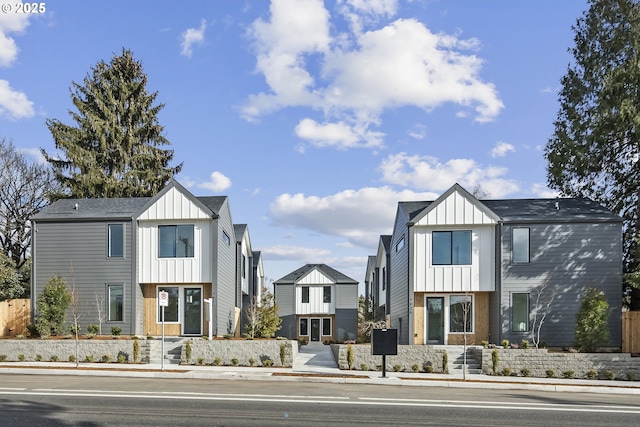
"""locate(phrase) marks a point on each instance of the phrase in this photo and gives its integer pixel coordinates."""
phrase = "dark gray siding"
(285, 298)
(346, 324)
(225, 274)
(289, 327)
(495, 323)
(78, 252)
(399, 279)
(570, 258)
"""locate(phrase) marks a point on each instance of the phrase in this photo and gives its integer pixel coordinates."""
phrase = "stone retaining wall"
(64, 349)
(224, 351)
(538, 361)
(408, 355)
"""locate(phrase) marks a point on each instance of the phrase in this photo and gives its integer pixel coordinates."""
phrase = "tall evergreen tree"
(595, 149)
(115, 148)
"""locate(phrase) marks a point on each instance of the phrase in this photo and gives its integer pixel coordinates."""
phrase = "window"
(176, 241)
(460, 309)
(305, 294)
(451, 247)
(326, 326)
(400, 245)
(304, 327)
(115, 294)
(384, 278)
(171, 310)
(520, 245)
(226, 238)
(326, 294)
(116, 240)
(244, 266)
(520, 312)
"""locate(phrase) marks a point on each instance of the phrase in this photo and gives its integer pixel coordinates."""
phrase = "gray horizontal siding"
(570, 258)
(399, 280)
(285, 298)
(225, 273)
(78, 253)
(346, 296)
(346, 326)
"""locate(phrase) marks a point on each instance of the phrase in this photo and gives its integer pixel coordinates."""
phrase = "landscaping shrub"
(525, 372)
(52, 307)
(397, 368)
(445, 363)
(283, 353)
(568, 374)
(21, 357)
(53, 358)
(350, 356)
(3, 357)
(92, 329)
(106, 358)
(428, 367)
(38, 358)
(116, 331)
(415, 367)
(610, 375)
(217, 361)
(267, 363)
(591, 374)
(364, 367)
(252, 361)
(136, 351)
(495, 359)
(505, 343)
(187, 351)
(235, 361)
(591, 321)
(506, 371)
(550, 373)
(200, 361)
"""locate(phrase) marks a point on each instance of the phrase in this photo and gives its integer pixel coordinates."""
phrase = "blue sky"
(314, 117)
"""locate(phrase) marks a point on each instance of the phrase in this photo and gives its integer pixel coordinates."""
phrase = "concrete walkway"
(315, 357)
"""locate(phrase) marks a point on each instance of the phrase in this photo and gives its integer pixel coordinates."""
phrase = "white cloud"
(34, 153)
(360, 216)
(10, 23)
(400, 64)
(361, 13)
(217, 183)
(501, 149)
(293, 253)
(14, 104)
(418, 131)
(541, 190)
(191, 37)
(429, 173)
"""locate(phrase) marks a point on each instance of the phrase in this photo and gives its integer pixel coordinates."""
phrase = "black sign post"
(384, 342)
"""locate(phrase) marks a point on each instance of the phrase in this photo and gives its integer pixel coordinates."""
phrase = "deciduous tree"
(115, 148)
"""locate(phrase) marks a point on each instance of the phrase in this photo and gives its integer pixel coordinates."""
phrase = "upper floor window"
(305, 294)
(400, 245)
(244, 266)
(520, 245)
(384, 278)
(176, 241)
(326, 294)
(451, 247)
(116, 240)
(226, 238)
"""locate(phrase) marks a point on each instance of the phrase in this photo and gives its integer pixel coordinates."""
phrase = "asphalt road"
(37, 400)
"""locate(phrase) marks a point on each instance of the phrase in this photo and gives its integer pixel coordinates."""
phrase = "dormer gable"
(174, 202)
(456, 207)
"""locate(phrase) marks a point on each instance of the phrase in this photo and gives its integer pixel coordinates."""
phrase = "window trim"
(451, 247)
(226, 238)
(176, 228)
(304, 293)
(330, 334)
(306, 319)
(400, 245)
(513, 246)
(109, 286)
(471, 321)
(109, 240)
(324, 295)
(513, 320)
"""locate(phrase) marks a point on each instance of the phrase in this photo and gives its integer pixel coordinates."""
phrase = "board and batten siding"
(477, 277)
(78, 252)
(174, 205)
(456, 209)
(570, 258)
(315, 304)
(153, 269)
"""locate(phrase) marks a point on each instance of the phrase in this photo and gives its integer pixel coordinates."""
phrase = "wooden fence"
(631, 332)
(15, 315)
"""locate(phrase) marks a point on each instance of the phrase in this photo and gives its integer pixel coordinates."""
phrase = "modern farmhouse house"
(318, 303)
(490, 267)
(118, 254)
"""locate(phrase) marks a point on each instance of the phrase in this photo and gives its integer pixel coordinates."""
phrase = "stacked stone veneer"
(63, 349)
(538, 361)
(206, 352)
(408, 355)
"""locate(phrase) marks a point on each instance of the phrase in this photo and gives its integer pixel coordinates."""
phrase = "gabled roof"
(411, 209)
(256, 256)
(214, 203)
(239, 230)
(386, 242)
(334, 275)
(83, 209)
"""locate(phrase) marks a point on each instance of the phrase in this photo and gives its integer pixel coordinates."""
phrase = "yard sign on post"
(163, 300)
(384, 342)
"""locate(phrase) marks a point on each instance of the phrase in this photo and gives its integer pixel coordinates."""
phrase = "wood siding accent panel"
(570, 258)
(78, 253)
(174, 205)
(631, 332)
(15, 316)
(152, 327)
(477, 277)
(154, 269)
(481, 323)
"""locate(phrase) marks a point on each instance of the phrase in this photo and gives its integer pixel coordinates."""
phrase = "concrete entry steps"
(172, 350)
(455, 355)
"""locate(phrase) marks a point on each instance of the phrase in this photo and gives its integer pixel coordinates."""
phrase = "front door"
(435, 320)
(315, 329)
(192, 324)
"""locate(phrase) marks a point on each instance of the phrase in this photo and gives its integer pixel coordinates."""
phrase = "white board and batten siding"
(174, 208)
(455, 212)
(316, 281)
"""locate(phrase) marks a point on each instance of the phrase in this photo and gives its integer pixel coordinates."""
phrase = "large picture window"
(520, 312)
(176, 241)
(451, 247)
(116, 240)
(171, 310)
(115, 295)
(520, 245)
(460, 309)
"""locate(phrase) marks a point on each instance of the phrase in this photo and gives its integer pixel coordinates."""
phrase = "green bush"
(52, 305)
(415, 367)
(217, 361)
(200, 361)
(568, 374)
(445, 363)
(283, 353)
(187, 351)
(550, 373)
(267, 362)
(122, 358)
(116, 331)
(364, 367)
(3, 357)
(610, 375)
(484, 344)
(591, 374)
(505, 343)
(53, 358)
(38, 358)
(227, 336)
(235, 361)
(506, 371)
(397, 368)
(21, 357)
(93, 329)
(351, 358)
(427, 367)
(106, 358)
(88, 358)
(524, 344)
(591, 321)
(495, 359)
(136, 351)
(252, 361)
(72, 358)
(630, 376)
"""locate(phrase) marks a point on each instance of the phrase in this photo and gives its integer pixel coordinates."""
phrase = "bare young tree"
(465, 305)
(541, 309)
(100, 311)
(75, 313)
(253, 315)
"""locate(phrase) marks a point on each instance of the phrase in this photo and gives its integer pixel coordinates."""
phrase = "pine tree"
(595, 147)
(114, 150)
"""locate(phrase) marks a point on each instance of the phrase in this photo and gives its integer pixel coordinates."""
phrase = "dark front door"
(315, 329)
(435, 320)
(192, 311)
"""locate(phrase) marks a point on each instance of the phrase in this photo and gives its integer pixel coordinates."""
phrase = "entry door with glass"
(435, 320)
(192, 319)
(315, 329)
